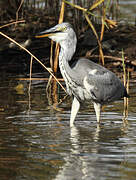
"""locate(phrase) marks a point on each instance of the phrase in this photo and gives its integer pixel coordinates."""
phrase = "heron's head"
(62, 33)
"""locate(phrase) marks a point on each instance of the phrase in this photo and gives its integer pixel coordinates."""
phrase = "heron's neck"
(68, 49)
(65, 56)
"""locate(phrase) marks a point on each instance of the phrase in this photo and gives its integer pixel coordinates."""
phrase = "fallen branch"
(9, 24)
(109, 57)
(36, 79)
(48, 69)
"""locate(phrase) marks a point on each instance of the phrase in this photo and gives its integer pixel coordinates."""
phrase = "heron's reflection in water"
(80, 162)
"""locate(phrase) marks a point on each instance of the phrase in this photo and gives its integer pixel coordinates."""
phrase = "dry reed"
(48, 69)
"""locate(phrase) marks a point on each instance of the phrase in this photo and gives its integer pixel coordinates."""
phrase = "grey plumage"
(85, 80)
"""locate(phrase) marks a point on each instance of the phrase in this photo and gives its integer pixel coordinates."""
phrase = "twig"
(97, 37)
(22, 1)
(48, 69)
(108, 57)
(29, 89)
(30, 80)
(9, 24)
(36, 79)
(57, 45)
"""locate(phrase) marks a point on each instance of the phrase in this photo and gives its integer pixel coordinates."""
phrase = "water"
(36, 142)
(127, 11)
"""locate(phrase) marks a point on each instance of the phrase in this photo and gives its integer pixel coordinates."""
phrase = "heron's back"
(98, 83)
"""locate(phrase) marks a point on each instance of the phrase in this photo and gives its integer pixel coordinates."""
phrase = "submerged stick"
(126, 84)
(31, 63)
(29, 88)
(56, 59)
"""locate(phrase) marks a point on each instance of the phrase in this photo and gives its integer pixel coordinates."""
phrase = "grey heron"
(85, 80)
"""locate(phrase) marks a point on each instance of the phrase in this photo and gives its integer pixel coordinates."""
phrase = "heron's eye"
(64, 28)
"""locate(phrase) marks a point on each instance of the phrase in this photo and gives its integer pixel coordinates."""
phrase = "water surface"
(36, 142)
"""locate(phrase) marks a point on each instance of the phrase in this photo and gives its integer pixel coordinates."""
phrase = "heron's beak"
(43, 34)
(47, 33)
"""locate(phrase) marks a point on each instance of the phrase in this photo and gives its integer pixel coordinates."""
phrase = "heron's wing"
(104, 87)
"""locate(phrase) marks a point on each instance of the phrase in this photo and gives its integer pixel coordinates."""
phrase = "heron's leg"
(97, 108)
(74, 110)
